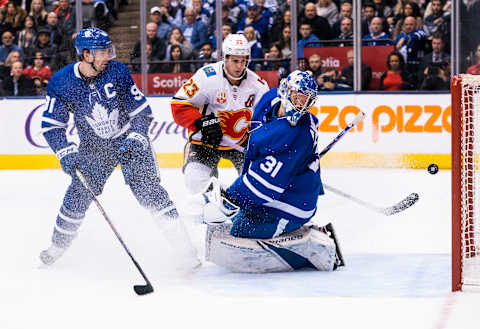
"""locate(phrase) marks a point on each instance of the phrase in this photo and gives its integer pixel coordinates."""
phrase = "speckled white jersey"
(209, 91)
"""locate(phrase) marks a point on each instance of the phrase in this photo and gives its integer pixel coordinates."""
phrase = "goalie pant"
(307, 247)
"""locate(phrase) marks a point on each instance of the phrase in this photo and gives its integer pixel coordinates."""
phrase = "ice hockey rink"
(397, 272)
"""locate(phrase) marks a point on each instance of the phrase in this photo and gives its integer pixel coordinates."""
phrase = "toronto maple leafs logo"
(104, 125)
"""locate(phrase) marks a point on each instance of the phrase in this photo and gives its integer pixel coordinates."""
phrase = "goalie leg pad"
(303, 248)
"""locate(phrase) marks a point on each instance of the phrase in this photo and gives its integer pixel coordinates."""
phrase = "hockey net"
(465, 182)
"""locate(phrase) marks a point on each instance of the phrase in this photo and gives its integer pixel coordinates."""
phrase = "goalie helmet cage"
(465, 182)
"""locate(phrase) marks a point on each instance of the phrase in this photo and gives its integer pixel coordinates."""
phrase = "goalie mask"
(298, 92)
(235, 45)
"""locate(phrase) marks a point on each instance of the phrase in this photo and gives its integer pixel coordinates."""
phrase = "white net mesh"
(470, 150)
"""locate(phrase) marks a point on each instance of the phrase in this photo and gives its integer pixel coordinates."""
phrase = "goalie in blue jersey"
(112, 117)
(257, 224)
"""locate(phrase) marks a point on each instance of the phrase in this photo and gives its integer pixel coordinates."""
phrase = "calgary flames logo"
(235, 124)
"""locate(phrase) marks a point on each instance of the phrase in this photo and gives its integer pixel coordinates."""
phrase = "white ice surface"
(397, 273)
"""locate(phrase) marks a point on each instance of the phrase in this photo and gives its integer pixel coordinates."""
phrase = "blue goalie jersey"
(104, 109)
(281, 174)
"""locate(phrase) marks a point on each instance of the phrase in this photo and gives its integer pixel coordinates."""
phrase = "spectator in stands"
(436, 77)
(396, 77)
(102, 16)
(447, 6)
(158, 46)
(368, 14)
(39, 73)
(377, 36)
(12, 17)
(319, 25)
(328, 81)
(56, 32)
(315, 65)
(225, 21)
(409, 9)
(346, 10)
(18, 84)
(308, 39)
(173, 66)
(153, 65)
(410, 43)
(383, 10)
(256, 51)
(438, 21)
(280, 65)
(26, 37)
(66, 21)
(6, 67)
(206, 54)
(284, 43)
(49, 51)
(193, 30)
(278, 26)
(38, 12)
(163, 26)
(475, 68)
(438, 54)
(302, 64)
(327, 9)
(346, 76)
(174, 14)
(177, 38)
(235, 12)
(203, 15)
(8, 46)
(257, 21)
(346, 32)
(226, 30)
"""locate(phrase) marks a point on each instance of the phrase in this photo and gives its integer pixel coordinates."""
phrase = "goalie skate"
(328, 230)
(50, 255)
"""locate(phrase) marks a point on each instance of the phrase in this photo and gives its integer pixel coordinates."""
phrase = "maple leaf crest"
(104, 125)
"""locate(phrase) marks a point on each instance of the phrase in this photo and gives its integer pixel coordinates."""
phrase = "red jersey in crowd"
(44, 73)
(474, 69)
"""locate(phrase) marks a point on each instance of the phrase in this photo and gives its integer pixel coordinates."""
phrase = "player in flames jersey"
(216, 106)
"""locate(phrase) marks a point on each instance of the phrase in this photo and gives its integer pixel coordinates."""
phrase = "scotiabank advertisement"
(398, 131)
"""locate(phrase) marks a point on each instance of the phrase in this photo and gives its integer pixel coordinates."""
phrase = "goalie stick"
(139, 289)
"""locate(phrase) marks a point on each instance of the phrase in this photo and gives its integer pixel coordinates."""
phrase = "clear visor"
(104, 54)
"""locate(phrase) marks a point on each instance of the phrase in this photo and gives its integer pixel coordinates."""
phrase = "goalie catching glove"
(211, 130)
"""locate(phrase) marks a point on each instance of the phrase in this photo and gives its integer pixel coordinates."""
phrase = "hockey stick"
(396, 208)
(139, 289)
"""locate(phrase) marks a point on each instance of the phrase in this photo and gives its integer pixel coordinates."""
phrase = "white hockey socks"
(174, 231)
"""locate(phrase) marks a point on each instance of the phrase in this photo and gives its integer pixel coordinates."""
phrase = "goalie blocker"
(308, 247)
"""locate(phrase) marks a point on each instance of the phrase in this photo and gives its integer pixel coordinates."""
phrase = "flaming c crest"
(235, 124)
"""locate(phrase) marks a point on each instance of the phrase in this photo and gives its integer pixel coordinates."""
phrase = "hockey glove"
(211, 130)
(131, 148)
(69, 159)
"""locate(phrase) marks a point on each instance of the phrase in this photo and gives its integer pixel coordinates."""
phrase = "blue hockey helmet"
(298, 92)
(94, 39)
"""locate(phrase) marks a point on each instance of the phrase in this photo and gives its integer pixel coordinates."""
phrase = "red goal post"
(465, 182)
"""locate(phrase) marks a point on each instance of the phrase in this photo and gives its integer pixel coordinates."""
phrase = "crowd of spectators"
(417, 30)
(37, 40)
(181, 37)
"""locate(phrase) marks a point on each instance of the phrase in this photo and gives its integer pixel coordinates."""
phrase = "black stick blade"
(402, 205)
(143, 290)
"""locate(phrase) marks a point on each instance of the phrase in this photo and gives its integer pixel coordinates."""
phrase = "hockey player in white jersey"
(216, 106)
(112, 117)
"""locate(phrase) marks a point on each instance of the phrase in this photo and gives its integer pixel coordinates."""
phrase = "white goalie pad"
(307, 245)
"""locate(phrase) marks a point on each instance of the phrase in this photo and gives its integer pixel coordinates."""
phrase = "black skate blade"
(143, 289)
(340, 260)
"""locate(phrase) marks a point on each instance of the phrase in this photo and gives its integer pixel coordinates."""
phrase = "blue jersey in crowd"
(104, 109)
(281, 174)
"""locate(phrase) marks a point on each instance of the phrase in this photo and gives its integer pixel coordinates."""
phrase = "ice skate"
(50, 255)
(328, 229)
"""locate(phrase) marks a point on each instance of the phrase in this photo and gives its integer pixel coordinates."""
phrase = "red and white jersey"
(209, 91)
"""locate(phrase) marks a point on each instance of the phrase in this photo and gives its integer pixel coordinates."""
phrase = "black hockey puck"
(432, 169)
